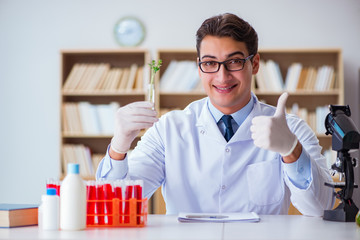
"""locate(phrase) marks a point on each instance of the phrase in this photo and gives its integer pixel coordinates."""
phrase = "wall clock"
(129, 32)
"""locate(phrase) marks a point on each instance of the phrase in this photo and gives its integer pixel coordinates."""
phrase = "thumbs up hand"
(272, 132)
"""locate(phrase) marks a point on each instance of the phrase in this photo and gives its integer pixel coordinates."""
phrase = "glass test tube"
(118, 186)
(108, 195)
(100, 206)
(138, 186)
(91, 195)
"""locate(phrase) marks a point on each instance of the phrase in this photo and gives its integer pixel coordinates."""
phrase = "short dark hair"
(228, 25)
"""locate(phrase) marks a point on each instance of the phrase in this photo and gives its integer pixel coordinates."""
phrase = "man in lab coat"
(256, 158)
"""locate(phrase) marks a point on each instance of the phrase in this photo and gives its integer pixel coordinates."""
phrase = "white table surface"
(167, 227)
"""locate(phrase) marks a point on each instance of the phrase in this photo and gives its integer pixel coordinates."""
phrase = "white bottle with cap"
(50, 205)
(73, 200)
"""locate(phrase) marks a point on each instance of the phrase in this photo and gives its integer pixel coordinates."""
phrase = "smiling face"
(227, 91)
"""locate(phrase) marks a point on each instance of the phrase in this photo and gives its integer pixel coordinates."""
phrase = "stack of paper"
(219, 217)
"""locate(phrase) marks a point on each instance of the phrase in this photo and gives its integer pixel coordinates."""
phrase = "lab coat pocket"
(265, 182)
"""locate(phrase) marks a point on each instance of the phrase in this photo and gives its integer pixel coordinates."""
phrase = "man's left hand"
(272, 132)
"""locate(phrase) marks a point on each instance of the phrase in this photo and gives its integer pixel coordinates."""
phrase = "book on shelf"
(132, 77)
(81, 154)
(315, 119)
(321, 113)
(71, 118)
(325, 78)
(139, 82)
(269, 76)
(180, 76)
(100, 76)
(86, 118)
(302, 79)
(89, 77)
(275, 77)
(124, 79)
(18, 215)
(112, 80)
(165, 79)
(74, 76)
(102, 84)
(98, 72)
(86, 77)
(292, 77)
(106, 117)
(260, 77)
(297, 77)
(310, 78)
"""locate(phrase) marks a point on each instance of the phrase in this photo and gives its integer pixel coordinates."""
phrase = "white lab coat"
(201, 172)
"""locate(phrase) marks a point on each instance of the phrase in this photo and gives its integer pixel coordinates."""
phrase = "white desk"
(167, 227)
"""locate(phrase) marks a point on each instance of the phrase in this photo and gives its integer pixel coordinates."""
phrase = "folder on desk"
(218, 217)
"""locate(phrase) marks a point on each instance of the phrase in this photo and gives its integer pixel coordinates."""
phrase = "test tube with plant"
(154, 67)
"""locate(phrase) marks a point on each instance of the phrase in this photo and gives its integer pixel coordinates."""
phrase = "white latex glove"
(129, 120)
(273, 133)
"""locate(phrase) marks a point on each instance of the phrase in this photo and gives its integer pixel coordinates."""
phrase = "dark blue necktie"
(229, 132)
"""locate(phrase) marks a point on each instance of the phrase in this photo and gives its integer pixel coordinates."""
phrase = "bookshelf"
(305, 98)
(178, 98)
(78, 87)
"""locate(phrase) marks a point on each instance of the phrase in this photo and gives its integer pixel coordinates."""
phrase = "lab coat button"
(223, 187)
(202, 131)
(227, 149)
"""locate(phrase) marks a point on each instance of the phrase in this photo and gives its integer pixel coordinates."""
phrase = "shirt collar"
(238, 116)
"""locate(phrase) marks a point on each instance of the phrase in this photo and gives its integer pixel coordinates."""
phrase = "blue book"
(18, 215)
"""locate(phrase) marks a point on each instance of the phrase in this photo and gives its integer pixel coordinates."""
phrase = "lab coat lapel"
(207, 126)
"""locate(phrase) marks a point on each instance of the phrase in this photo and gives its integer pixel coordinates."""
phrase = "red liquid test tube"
(118, 194)
(52, 183)
(138, 195)
(108, 196)
(58, 186)
(91, 195)
(100, 206)
(128, 195)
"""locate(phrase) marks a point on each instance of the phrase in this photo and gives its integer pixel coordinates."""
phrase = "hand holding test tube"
(130, 119)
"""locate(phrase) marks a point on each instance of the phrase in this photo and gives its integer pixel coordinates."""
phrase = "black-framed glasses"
(230, 65)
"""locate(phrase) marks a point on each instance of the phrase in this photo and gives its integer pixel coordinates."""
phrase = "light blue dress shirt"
(199, 171)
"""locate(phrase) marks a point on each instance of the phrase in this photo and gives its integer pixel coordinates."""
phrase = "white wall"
(33, 31)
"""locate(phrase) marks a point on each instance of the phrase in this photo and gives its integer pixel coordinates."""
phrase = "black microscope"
(345, 137)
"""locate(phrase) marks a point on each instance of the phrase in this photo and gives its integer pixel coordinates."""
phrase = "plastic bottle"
(49, 210)
(73, 200)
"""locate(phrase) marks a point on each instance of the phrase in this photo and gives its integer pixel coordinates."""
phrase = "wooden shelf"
(303, 93)
(104, 93)
(74, 135)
